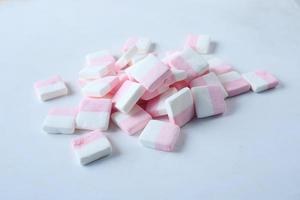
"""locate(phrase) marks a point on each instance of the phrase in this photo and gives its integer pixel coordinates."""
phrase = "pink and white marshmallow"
(125, 59)
(160, 135)
(143, 44)
(94, 114)
(234, 83)
(218, 66)
(51, 88)
(150, 72)
(191, 62)
(208, 79)
(91, 146)
(180, 107)
(156, 107)
(127, 96)
(99, 58)
(96, 71)
(133, 121)
(260, 80)
(201, 43)
(60, 120)
(208, 100)
(100, 87)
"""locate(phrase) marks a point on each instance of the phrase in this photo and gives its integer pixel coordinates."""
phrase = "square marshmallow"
(125, 59)
(150, 72)
(160, 135)
(260, 80)
(234, 83)
(156, 107)
(100, 87)
(50, 88)
(127, 96)
(94, 114)
(91, 146)
(143, 44)
(208, 79)
(180, 107)
(190, 61)
(133, 121)
(208, 100)
(201, 43)
(60, 120)
(218, 66)
(99, 58)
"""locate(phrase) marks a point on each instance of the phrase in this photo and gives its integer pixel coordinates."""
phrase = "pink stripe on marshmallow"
(184, 116)
(181, 64)
(50, 81)
(217, 99)
(87, 139)
(191, 41)
(167, 137)
(95, 105)
(236, 87)
(269, 78)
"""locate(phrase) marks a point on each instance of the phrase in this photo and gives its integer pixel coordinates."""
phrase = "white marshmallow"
(91, 146)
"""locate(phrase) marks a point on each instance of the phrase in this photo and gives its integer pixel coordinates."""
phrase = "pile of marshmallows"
(139, 87)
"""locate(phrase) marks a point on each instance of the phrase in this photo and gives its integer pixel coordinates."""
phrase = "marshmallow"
(180, 84)
(150, 72)
(50, 88)
(127, 96)
(189, 61)
(100, 87)
(150, 95)
(125, 59)
(60, 120)
(200, 43)
(96, 71)
(218, 66)
(143, 44)
(180, 107)
(133, 121)
(234, 83)
(136, 58)
(160, 135)
(94, 114)
(208, 100)
(91, 146)
(208, 79)
(260, 80)
(156, 107)
(99, 58)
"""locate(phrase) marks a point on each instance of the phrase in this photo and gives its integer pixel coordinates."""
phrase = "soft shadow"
(213, 47)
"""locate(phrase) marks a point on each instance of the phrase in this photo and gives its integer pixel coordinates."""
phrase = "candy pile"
(138, 87)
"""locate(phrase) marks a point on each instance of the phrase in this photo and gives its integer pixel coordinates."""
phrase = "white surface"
(251, 152)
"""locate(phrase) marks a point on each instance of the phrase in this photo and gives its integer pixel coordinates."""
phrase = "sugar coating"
(190, 61)
(133, 121)
(260, 80)
(94, 114)
(234, 83)
(60, 120)
(100, 87)
(50, 88)
(127, 96)
(150, 72)
(91, 146)
(208, 100)
(200, 43)
(208, 79)
(99, 58)
(180, 107)
(156, 107)
(160, 135)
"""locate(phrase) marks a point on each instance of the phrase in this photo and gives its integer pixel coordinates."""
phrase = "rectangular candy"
(133, 121)
(143, 44)
(200, 43)
(91, 146)
(99, 58)
(190, 61)
(156, 107)
(260, 80)
(234, 83)
(93, 114)
(180, 107)
(150, 72)
(50, 88)
(218, 66)
(100, 87)
(127, 96)
(160, 135)
(125, 59)
(208, 79)
(60, 120)
(208, 100)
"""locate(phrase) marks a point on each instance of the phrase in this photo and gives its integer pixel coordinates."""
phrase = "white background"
(251, 152)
